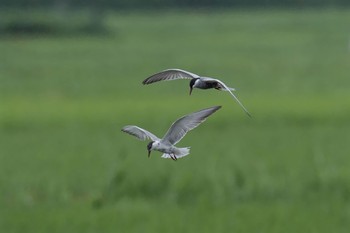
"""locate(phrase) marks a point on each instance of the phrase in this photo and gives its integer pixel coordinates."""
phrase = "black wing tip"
(216, 107)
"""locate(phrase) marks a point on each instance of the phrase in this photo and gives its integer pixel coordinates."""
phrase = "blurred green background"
(70, 79)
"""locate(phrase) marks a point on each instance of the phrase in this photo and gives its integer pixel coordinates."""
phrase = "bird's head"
(149, 148)
(192, 84)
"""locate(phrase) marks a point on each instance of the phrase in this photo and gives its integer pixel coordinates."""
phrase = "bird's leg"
(173, 157)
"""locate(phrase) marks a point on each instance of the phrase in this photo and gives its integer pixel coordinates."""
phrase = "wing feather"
(139, 133)
(186, 123)
(169, 74)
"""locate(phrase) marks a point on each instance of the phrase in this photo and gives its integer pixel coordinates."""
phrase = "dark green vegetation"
(65, 166)
(151, 4)
(16, 22)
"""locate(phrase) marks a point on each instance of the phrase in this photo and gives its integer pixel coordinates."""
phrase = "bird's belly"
(165, 149)
(208, 85)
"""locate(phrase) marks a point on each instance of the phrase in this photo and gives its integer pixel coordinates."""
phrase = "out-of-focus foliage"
(172, 3)
(63, 102)
(52, 22)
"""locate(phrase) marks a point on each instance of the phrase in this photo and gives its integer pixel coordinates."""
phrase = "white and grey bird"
(196, 82)
(174, 134)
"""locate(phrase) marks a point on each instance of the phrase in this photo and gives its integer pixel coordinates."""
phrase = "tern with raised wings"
(175, 133)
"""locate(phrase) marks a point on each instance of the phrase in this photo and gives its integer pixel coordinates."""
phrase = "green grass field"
(65, 166)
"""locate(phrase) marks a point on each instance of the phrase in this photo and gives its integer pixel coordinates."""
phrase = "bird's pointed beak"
(149, 153)
(191, 88)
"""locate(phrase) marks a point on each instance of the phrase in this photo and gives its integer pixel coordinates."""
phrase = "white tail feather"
(182, 152)
(231, 89)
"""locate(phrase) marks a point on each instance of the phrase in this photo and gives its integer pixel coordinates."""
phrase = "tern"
(196, 82)
(175, 133)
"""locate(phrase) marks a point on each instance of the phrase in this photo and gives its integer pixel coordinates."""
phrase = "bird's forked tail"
(230, 88)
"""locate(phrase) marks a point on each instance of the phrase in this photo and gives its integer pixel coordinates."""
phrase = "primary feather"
(186, 123)
(139, 133)
(169, 74)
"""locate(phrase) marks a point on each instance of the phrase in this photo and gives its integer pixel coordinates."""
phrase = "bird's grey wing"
(223, 85)
(186, 123)
(170, 74)
(139, 133)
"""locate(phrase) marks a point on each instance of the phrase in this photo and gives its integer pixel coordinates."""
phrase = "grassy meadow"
(65, 166)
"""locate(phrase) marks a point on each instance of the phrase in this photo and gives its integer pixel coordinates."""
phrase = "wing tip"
(215, 108)
(249, 115)
(209, 111)
(145, 82)
(126, 127)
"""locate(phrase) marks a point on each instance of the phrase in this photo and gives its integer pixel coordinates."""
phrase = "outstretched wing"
(186, 123)
(226, 88)
(170, 74)
(140, 133)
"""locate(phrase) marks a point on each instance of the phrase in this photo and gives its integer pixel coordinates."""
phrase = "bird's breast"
(163, 148)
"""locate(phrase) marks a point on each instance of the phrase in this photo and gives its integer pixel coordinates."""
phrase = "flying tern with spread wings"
(196, 82)
(175, 133)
